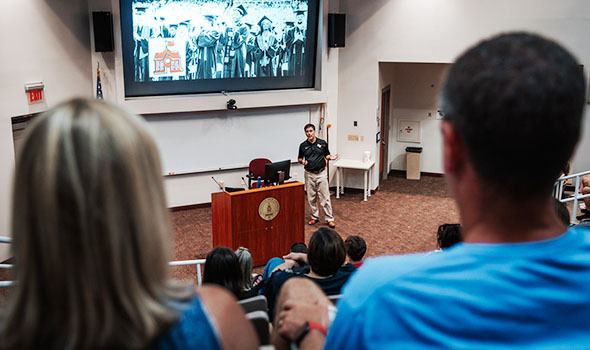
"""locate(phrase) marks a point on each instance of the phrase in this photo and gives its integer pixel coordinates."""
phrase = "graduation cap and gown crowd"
(225, 46)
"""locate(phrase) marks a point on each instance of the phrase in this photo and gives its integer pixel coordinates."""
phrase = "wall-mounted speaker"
(103, 31)
(336, 29)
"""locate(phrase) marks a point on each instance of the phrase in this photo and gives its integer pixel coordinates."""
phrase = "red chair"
(256, 169)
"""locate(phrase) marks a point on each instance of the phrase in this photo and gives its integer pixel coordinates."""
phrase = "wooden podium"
(265, 220)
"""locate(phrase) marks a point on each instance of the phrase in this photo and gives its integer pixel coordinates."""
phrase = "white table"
(354, 164)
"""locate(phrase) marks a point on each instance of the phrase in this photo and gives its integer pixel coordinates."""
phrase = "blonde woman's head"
(90, 232)
(245, 260)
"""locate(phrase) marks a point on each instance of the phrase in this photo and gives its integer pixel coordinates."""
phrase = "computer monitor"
(272, 171)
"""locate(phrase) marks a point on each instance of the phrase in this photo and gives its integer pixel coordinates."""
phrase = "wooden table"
(354, 164)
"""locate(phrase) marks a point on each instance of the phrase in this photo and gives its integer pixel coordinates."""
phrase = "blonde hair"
(90, 229)
(245, 260)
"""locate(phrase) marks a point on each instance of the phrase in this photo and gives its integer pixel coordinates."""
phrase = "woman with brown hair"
(91, 243)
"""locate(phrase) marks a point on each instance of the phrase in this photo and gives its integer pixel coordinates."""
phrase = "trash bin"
(413, 155)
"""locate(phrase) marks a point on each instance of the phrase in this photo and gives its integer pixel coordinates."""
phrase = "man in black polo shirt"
(313, 154)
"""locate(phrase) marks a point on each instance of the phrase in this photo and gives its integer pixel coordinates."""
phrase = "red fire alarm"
(34, 92)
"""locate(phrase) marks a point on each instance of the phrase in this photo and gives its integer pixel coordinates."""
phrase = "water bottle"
(259, 184)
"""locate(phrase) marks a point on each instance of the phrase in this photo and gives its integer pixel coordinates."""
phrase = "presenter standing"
(314, 155)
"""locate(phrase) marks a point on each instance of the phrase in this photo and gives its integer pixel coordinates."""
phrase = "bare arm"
(300, 301)
(235, 331)
(288, 264)
(299, 257)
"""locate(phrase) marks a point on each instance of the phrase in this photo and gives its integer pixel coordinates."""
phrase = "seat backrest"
(257, 303)
(256, 167)
(260, 322)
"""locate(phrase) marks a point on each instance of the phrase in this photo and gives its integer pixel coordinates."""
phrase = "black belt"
(314, 172)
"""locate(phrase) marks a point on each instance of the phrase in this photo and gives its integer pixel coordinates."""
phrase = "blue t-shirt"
(472, 296)
(193, 330)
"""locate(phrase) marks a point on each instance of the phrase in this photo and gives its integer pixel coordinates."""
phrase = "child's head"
(355, 248)
(298, 248)
(448, 235)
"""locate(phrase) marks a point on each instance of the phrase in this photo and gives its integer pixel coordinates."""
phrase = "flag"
(98, 85)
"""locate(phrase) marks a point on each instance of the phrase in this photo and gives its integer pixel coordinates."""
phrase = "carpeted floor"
(401, 217)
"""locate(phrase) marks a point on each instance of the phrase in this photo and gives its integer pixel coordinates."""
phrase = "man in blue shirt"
(512, 109)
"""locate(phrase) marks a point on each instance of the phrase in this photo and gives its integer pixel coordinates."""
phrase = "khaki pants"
(317, 184)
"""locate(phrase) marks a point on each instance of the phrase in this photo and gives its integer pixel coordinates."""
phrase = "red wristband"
(319, 327)
(304, 330)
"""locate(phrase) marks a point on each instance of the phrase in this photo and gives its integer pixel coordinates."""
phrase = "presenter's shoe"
(313, 221)
(332, 224)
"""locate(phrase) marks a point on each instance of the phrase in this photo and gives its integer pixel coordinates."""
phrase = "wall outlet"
(353, 137)
(362, 138)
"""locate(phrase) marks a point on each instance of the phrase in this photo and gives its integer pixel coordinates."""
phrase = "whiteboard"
(211, 141)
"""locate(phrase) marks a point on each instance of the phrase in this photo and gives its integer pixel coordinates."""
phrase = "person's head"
(255, 30)
(91, 229)
(182, 32)
(562, 212)
(512, 110)
(326, 252)
(299, 16)
(448, 235)
(209, 20)
(265, 24)
(566, 169)
(288, 25)
(309, 131)
(245, 261)
(298, 247)
(238, 12)
(222, 268)
(172, 29)
(355, 248)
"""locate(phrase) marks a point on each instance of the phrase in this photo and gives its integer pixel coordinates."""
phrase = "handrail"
(567, 177)
(577, 196)
(197, 262)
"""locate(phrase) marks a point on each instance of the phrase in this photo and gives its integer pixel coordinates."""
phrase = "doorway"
(384, 131)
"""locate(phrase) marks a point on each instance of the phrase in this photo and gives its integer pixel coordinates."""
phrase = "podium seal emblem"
(269, 208)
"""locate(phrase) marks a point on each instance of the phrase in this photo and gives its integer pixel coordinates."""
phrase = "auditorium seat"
(260, 322)
(257, 303)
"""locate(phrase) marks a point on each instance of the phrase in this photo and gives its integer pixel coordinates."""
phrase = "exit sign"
(35, 96)
(34, 92)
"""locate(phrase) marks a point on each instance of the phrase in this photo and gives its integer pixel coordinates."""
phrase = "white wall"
(435, 31)
(44, 41)
(415, 92)
(54, 45)
(196, 188)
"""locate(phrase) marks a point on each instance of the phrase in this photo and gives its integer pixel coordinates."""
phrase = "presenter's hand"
(332, 157)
